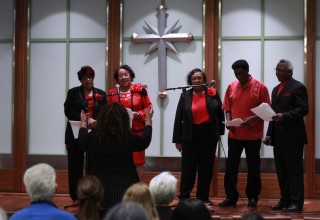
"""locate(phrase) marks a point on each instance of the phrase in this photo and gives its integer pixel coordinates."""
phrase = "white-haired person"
(40, 183)
(163, 187)
(3, 214)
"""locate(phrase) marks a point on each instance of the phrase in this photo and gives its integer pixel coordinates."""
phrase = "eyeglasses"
(197, 78)
(85, 77)
(280, 70)
(123, 75)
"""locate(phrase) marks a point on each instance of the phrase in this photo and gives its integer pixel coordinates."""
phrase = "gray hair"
(163, 187)
(3, 215)
(289, 64)
(127, 211)
(40, 182)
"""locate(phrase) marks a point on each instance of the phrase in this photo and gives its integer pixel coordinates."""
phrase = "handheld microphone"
(211, 83)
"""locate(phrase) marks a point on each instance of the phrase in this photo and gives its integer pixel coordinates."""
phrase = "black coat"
(292, 102)
(75, 102)
(182, 130)
(111, 161)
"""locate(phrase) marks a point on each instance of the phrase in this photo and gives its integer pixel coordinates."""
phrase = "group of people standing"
(122, 164)
(116, 156)
(198, 126)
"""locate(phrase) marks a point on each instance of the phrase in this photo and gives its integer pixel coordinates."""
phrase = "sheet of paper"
(264, 111)
(235, 122)
(130, 113)
(75, 125)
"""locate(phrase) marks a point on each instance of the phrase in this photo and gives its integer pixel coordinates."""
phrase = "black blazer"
(292, 102)
(182, 130)
(75, 102)
(111, 161)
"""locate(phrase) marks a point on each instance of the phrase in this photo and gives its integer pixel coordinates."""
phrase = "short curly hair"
(126, 67)
(85, 71)
(190, 74)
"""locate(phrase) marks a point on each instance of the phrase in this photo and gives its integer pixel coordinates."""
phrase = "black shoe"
(252, 202)
(279, 206)
(294, 208)
(228, 202)
(206, 202)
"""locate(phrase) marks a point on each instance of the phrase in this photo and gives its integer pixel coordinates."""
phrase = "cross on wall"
(161, 38)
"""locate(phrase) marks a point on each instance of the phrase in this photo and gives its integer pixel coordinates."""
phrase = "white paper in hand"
(264, 111)
(75, 125)
(235, 122)
(130, 113)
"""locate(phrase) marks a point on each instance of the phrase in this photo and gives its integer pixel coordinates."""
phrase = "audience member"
(127, 211)
(40, 183)
(252, 216)
(190, 209)
(90, 193)
(140, 193)
(163, 187)
(3, 215)
(110, 147)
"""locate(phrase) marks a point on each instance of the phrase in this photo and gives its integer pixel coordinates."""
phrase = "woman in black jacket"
(197, 128)
(90, 99)
(110, 147)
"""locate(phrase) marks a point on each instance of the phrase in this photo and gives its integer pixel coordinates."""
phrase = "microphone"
(118, 91)
(211, 83)
(118, 88)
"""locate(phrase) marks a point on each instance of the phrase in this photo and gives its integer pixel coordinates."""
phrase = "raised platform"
(12, 202)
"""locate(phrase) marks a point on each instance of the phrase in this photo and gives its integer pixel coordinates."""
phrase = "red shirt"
(239, 100)
(199, 109)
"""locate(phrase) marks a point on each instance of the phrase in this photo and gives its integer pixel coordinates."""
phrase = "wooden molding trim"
(113, 40)
(310, 84)
(20, 93)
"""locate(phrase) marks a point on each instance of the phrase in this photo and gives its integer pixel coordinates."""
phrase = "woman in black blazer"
(197, 129)
(90, 99)
(111, 146)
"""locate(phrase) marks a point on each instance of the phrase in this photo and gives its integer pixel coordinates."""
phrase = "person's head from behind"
(40, 182)
(140, 193)
(163, 187)
(127, 211)
(241, 70)
(3, 215)
(90, 193)
(191, 209)
(251, 216)
(113, 121)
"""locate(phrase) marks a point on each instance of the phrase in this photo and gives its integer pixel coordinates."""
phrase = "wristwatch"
(138, 115)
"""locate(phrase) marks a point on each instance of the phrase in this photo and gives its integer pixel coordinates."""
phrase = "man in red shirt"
(242, 95)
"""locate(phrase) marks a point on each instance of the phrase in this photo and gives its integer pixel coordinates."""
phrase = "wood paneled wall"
(11, 179)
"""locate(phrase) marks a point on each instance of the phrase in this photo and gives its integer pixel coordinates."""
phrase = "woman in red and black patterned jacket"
(134, 97)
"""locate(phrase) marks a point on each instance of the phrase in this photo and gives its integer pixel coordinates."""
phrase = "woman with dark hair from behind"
(190, 209)
(90, 193)
(134, 97)
(110, 147)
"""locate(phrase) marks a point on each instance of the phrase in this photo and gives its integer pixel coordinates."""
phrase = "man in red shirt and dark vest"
(242, 95)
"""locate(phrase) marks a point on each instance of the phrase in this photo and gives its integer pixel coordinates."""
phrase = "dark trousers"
(252, 149)
(75, 168)
(198, 155)
(289, 166)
